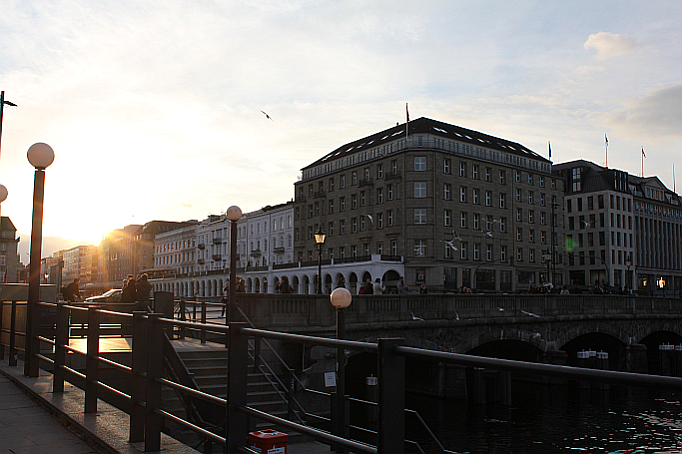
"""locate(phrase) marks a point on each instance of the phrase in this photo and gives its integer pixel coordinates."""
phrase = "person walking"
(403, 289)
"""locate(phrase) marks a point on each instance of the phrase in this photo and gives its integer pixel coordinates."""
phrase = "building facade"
(622, 230)
(457, 207)
(9, 260)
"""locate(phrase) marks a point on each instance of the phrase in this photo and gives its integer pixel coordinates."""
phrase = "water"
(556, 419)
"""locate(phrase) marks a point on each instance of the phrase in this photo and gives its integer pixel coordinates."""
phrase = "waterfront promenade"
(33, 420)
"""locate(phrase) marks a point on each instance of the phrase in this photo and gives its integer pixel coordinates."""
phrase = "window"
(331, 185)
(542, 182)
(477, 251)
(531, 216)
(343, 182)
(518, 195)
(530, 179)
(394, 167)
(474, 172)
(519, 234)
(519, 214)
(489, 252)
(420, 189)
(447, 218)
(488, 198)
(542, 218)
(531, 255)
(519, 254)
(330, 229)
(463, 251)
(503, 253)
(542, 199)
(420, 215)
(380, 247)
(354, 201)
(463, 220)
(380, 171)
(342, 226)
(394, 247)
(575, 179)
(389, 190)
(503, 200)
(463, 169)
(420, 163)
(530, 197)
(419, 248)
(543, 237)
(380, 220)
(342, 204)
(501, 174)
(475, 221)
(487, 174)
(446, 166)
(362, 198)
(517, 176)
(389, 218)
(380, 195)
(447, 191)
(463, 194)
(354, 225)
(531, 236)
(474, 196)
(354, 177)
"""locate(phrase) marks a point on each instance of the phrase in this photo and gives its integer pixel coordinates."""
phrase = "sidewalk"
(33, 420)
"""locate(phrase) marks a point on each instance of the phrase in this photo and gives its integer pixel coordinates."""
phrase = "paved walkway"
(33, 420)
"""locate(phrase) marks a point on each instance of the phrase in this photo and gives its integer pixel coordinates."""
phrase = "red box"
(268, 441)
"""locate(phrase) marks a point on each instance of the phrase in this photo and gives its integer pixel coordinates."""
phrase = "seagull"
(530, 314)
(455, 236)
(587, 224)
(371, 219)
(9, 103)
(267, 116)
(501, 309)
(450, 243)
(414, 317)
(489, 234)
(536, 335)
(456, 315)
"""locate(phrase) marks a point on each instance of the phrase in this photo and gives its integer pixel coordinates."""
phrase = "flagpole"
(407, 133)
(643, 162)
(606, 150)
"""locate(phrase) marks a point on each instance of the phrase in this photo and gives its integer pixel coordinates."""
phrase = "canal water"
(547, 419)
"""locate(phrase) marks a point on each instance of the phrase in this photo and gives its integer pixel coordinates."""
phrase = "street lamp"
(2, 109)
(628, 279)
(319, 239)
(340, 299)
(40, 155)
(234, 214)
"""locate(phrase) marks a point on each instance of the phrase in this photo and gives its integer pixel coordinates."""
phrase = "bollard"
(372, 395)
(602, 364)
(583, 357)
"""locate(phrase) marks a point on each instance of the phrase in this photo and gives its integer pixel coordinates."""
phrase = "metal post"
(231, 311)
(2, 347)
(92, 361)
(32, 344)
(13, 335)
(338, 422)
(391, 371)
(154, 421)
(61, 340)
(137, 379)
(203, 322)
(319, 268)
(236, 426)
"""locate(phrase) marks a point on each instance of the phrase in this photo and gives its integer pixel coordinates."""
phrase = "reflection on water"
(556, 419)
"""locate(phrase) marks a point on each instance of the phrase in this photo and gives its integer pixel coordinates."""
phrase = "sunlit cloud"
(610, 45)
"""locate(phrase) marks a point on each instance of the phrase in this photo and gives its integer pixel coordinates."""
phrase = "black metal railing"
(147, 377)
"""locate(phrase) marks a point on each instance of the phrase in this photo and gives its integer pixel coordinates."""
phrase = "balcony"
(393, 176)
(256, 253)
(217, 257)
(201, 246)
(217, 240)
(366, 182)
(201, 261)
(278, 250)
(319, 195)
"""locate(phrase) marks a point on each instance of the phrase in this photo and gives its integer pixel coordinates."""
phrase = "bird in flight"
(489, 234)
(371, 219)
(451, 244)
(455, 236)
(267, 116)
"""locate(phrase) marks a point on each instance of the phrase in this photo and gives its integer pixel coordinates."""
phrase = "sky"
(154, 108)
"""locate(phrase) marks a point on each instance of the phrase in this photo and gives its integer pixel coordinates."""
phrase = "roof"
(437, 128)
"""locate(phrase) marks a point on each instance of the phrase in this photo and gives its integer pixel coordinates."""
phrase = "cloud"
(610, 45)
(658, 113)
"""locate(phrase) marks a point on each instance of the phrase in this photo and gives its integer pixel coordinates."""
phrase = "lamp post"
(319, 239)
(2, 109)
(40, 155)
(340, 298)
(234, 214)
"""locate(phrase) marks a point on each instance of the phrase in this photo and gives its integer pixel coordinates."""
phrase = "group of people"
(137, 291)
(369, 288)
(378, 288)
(283, 286)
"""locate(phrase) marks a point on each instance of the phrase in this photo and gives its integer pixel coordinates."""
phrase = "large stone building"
(460, 208)
(622, 230)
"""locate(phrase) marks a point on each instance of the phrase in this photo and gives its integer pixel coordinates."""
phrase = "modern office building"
(457, 207)
(622, 230)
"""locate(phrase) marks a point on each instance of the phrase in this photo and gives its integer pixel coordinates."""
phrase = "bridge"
(534, 327)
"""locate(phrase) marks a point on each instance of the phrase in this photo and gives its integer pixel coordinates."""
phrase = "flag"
(606, 140)
(550, 149)
(407, 112)
(643, 154)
